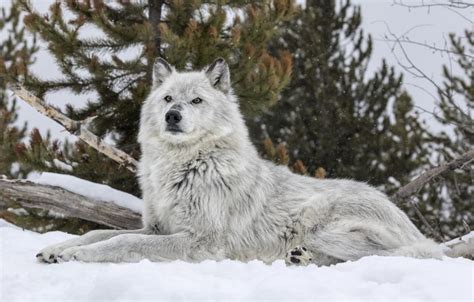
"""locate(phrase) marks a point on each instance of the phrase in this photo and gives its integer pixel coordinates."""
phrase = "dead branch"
(411, 67)
(449, 4)
(468, 128)
(30, 195)
(415, 185)
(430, 229)
(433, 47)
(76, 128)
(454, 6)
(460, 247)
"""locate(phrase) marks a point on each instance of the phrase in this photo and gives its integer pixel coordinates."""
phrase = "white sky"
(379, 16)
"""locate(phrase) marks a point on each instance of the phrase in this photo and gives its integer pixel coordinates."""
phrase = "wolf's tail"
(424, 248)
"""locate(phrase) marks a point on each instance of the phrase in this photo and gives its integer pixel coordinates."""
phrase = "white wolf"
(208, 195)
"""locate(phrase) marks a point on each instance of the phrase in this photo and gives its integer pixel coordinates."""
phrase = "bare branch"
(466, 128)
(417, 184)
(412, 68)
(425, 222)
(450, 3)
(76, 128)
(453, 6)
(433, 47)
(36, 196)
(460, 247)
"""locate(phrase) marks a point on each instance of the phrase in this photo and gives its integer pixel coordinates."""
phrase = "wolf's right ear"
(161, 70)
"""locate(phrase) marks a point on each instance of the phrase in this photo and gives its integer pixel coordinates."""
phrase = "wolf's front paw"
(49, 254)
(298, 256)
(76, 253)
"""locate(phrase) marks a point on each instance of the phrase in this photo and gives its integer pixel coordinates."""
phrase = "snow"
(92, 190)
(371, 278)
(463, 239)
(18, 212)
(62, 165)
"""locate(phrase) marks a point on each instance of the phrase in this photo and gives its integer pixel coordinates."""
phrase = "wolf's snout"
(173, 117)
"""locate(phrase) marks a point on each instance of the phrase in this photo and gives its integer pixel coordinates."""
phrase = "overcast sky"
(380, 17)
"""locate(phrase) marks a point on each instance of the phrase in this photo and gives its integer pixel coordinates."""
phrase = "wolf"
(208, 195)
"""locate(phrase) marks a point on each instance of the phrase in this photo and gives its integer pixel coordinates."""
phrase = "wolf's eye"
(196, 101)
(168, 98)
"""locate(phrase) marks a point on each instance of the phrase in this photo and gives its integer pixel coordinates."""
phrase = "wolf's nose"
(173, 117)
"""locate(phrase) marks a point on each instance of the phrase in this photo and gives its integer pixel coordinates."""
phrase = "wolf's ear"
(219, 75)
(161, 70)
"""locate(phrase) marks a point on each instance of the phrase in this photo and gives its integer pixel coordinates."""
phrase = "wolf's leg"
(351, 240)
(135, 247)
(50, 253)
(302, 256)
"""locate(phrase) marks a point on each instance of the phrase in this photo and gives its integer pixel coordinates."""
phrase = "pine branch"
(416, 185)
(77, 128)
(36, 196)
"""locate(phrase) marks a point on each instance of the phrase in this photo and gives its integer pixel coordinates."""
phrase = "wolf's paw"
(298, 256)
(49, 254)
(76, 253)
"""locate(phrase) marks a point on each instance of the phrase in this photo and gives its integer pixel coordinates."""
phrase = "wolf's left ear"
(219, 75)
(161, 70)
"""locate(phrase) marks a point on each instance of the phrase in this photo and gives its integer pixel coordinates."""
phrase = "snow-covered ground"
(369, 279)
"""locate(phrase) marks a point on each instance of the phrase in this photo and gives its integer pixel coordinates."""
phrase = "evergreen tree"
(10, 135)
(16, 55)
(117, 64)
(451, 202)
(336, 116)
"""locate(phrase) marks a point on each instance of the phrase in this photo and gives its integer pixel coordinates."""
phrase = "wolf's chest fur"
(194, 194)
(204, 172)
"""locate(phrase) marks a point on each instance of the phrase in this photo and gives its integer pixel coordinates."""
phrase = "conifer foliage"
(16, 55)
(451, 204)
(336, 116)
(116, 63)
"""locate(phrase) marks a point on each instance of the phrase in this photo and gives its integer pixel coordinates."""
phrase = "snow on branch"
(415, 185)
(461, 246)
(76, 128)
(39, 196)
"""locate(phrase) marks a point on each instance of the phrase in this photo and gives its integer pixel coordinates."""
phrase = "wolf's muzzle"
(172, 118)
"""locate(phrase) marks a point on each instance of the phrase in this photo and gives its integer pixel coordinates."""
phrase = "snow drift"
(371, 278)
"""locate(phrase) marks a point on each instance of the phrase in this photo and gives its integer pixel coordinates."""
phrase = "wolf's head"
(189, 107)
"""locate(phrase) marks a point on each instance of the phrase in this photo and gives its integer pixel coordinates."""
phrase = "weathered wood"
(76, 128)
(32, 195)
(461, 247)
(417, 184)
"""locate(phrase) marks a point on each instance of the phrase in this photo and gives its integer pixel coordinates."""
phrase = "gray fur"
(208, 195)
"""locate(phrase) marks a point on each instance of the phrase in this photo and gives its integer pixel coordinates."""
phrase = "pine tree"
(451, 202)
(116, 65)
(17, 52)
(16, 55)
(336, 116)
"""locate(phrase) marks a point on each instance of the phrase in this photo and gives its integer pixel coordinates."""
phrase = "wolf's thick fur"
(208, 195)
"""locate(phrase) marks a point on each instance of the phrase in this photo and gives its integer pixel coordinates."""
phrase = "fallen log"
(31, 195)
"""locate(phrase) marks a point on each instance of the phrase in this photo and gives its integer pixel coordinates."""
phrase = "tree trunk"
(154, 16)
